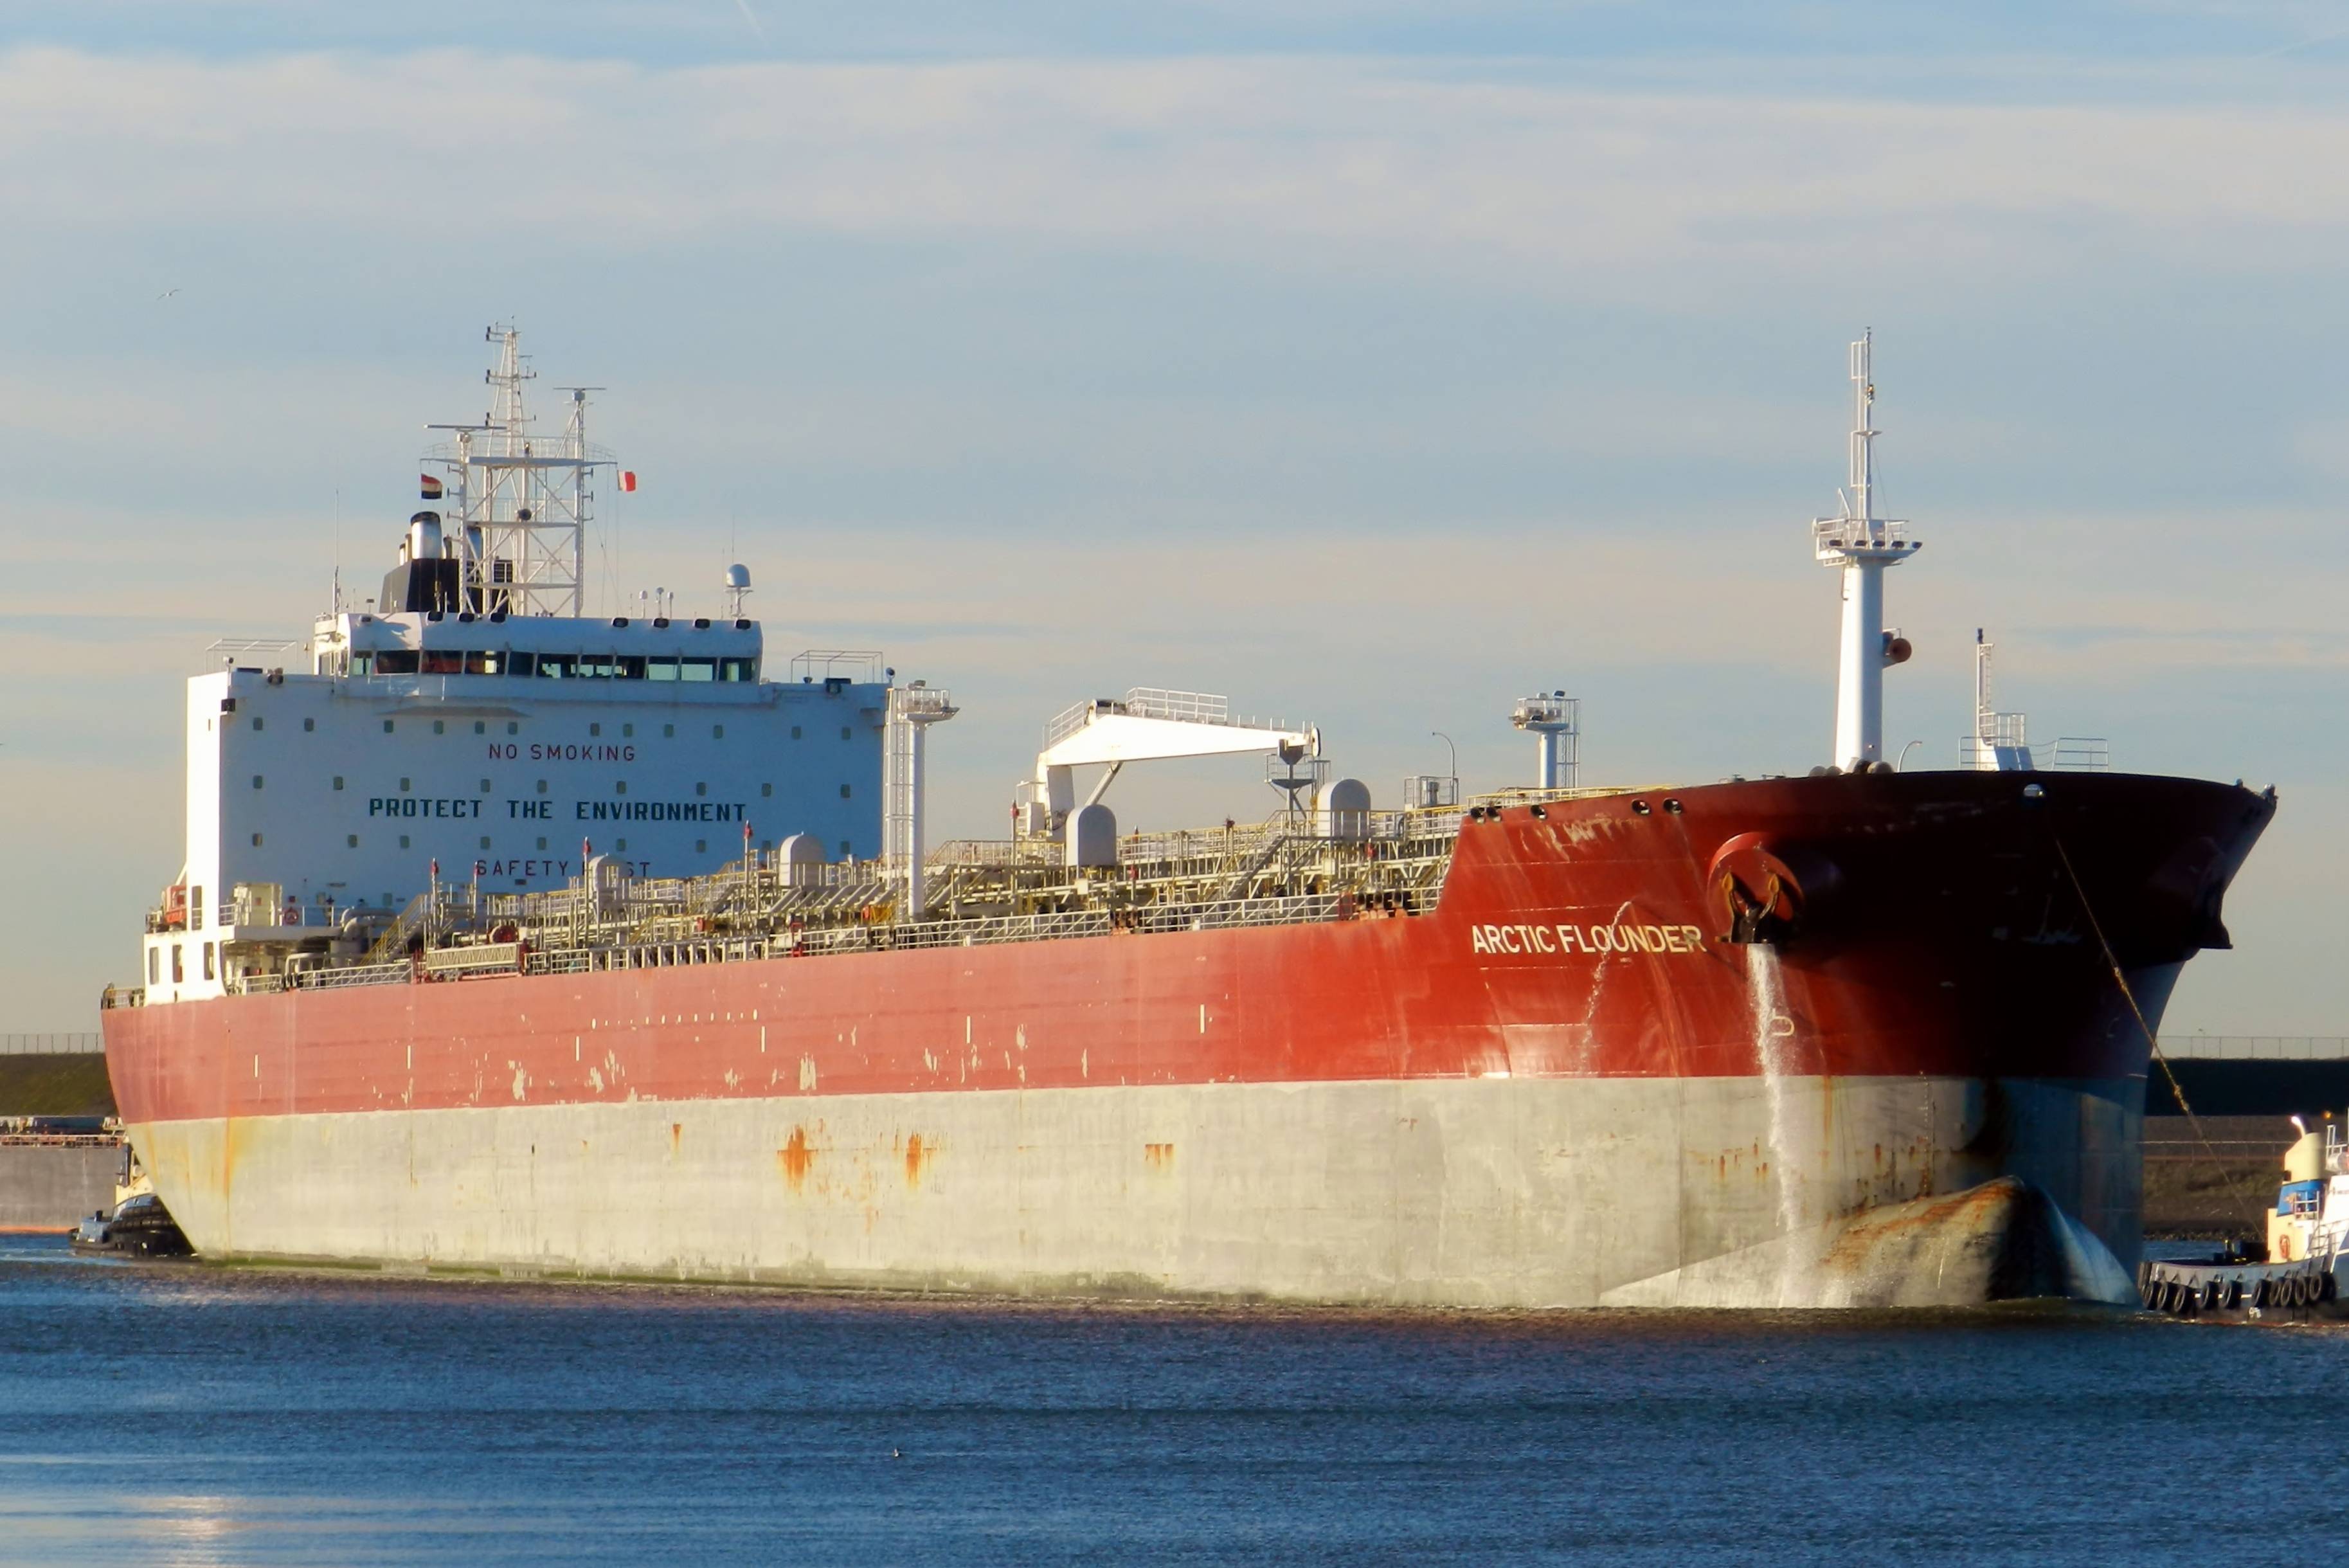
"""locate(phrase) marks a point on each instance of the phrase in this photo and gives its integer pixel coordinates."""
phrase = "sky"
(1374, 362)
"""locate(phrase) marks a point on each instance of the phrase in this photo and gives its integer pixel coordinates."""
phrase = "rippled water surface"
(194, 1415)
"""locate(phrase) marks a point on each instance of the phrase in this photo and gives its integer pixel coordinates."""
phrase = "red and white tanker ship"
(479, 962)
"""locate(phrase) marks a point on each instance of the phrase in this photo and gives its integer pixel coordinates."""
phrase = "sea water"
(161, 1414)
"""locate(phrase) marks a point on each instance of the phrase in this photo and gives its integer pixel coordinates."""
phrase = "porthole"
(701, 846)
(439, 727)
(353, 841)
(308, 725)
(542, 789)
(387, 726)
(403, 841)
(338, 781)
(767, 790)
(844, 792)
(256, 780)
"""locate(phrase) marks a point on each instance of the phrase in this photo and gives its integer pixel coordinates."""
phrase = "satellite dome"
(738, 577)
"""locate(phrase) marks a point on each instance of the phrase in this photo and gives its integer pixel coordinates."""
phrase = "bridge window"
(558, 665)
(738, 669)
(396, 662)
(179, 973)
(693, 669)
(595, 665)
(362, 663)
(521, 664)
(628, 666)
(660, 669)
(444, 661)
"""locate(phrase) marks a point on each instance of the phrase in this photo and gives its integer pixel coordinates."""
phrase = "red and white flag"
(628, 480)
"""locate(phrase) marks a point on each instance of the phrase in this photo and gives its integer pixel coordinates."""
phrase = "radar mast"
(519, 501)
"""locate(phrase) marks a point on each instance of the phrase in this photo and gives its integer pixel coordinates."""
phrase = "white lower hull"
(1487, 1193)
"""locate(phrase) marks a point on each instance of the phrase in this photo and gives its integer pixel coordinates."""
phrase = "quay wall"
(53, 1185)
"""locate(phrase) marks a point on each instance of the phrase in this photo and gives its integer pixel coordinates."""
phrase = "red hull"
(1933, 924)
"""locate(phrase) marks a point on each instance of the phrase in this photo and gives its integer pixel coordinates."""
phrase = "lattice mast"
(1862, 544)
(520, 502)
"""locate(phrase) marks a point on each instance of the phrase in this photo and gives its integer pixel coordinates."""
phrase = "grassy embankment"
(56, 1085)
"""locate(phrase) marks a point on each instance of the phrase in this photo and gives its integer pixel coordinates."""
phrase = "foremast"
(1862, 544)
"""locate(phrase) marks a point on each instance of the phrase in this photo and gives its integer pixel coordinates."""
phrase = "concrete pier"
(52, 1184)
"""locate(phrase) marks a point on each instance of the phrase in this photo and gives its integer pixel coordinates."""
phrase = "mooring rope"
(2177, 1090)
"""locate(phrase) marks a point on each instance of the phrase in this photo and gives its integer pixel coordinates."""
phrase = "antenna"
(1862, 544)
(520, 504)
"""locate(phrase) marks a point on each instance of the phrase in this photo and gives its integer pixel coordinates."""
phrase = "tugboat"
(137, 1226)
(2307, 1232)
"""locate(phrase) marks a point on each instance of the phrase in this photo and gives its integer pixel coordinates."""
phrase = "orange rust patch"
(795, 1157)
(1158, 1155)
(915, 1155)
(675, 1132)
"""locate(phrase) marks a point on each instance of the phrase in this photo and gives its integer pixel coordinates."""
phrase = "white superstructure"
(470, 725)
